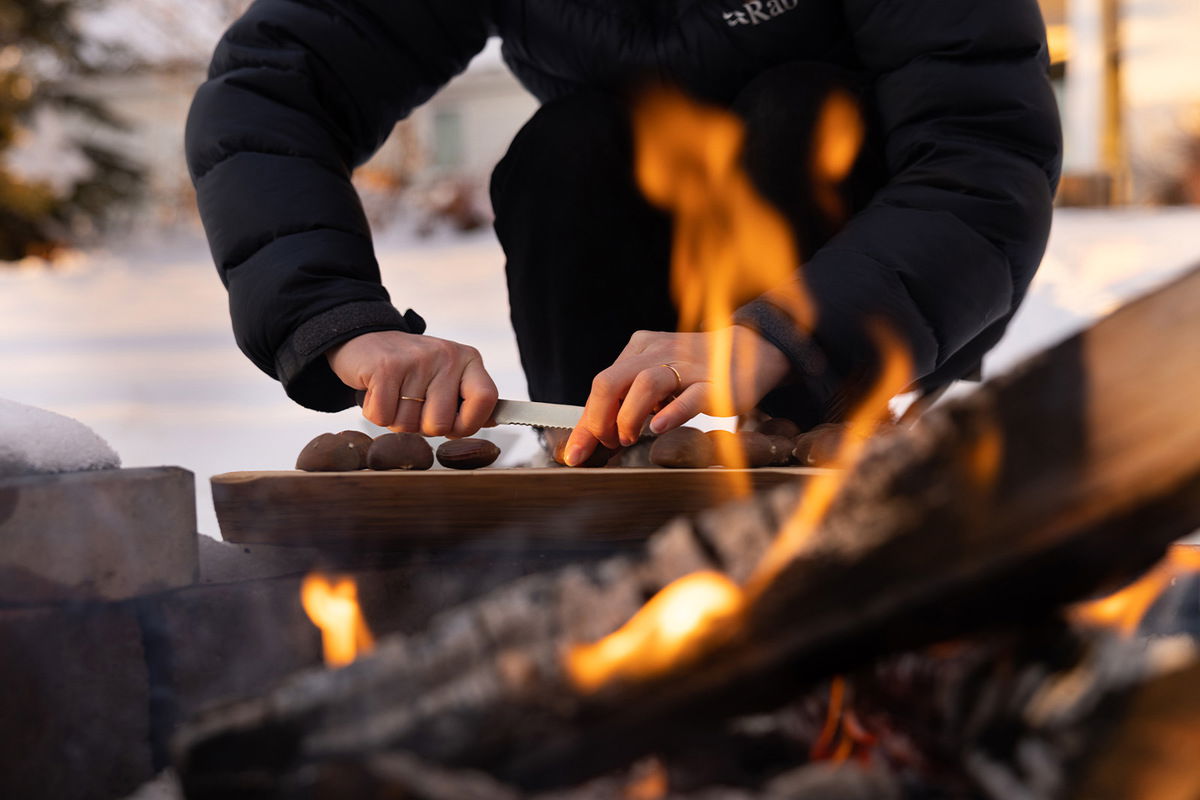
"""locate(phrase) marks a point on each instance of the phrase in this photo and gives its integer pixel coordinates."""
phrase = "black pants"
(589, 257)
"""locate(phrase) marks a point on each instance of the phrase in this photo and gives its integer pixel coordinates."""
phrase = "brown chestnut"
(329, 453)
(757, 447)
(781, 450)
(467, 453)
(400, 451)
(741, 449)
(360, 443)
(682, 448)
(725, 448)
(819, 447)
(599, 457)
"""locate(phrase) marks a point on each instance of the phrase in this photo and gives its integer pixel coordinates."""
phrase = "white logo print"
(756, 11)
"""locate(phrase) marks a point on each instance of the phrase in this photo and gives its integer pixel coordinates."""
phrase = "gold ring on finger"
(418, 399)
(678, 377)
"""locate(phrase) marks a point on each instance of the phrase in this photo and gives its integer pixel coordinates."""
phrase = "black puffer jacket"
(302, 91)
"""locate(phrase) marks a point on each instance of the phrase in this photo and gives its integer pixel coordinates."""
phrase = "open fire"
(975, 527)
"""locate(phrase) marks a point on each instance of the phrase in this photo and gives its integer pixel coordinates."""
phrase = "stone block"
(102, 535)
(74, 718)
(228, 641)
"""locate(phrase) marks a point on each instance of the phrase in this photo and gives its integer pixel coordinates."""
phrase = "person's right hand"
(391, 364)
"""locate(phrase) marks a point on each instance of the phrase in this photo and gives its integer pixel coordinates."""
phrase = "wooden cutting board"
(401, 510)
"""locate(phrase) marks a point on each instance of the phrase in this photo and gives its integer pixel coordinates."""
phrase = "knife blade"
(525, 412)
(544, 415)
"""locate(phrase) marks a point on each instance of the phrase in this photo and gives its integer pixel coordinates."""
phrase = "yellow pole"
(1112, 141)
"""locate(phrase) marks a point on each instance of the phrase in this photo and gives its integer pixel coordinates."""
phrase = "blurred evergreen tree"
(42, 57)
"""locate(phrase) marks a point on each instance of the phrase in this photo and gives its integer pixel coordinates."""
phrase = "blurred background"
(111, 311)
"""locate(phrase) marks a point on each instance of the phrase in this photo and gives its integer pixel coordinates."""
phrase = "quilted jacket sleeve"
(946, 249)
(300, 92)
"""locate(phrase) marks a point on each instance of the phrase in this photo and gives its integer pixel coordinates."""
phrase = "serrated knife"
(526, 412)
(544, 415)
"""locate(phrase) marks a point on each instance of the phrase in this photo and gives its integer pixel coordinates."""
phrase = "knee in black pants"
(565, 145)
(588, 257)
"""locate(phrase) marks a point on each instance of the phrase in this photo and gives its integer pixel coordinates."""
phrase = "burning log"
(1065, 477)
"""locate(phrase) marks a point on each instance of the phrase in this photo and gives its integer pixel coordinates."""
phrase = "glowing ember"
(1125, 608)
(985, 457)
(333, 607)
(649, 781)
(843, 726)
(837, 693)
(675, 626)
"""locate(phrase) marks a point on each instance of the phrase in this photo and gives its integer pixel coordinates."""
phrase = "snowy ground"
(134, 340)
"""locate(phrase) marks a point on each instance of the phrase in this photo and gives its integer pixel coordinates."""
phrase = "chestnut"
(329, 452)
(400, 451)
(682, 448)
(467, 453)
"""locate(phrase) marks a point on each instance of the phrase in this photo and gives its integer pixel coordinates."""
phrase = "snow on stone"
(33, 441)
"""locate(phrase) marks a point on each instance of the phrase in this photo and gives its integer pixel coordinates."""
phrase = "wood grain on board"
(397, 510)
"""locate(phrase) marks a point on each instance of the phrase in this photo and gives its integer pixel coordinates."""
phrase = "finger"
(580, 446)
(408, 412)
(651, 387)
(478, 399)
(600, 411)
(692, 401)
(383, 393)
(441, 402)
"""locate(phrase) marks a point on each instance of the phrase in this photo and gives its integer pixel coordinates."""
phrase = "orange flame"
(333, 607)
(729, 247)
(1125, 608)
(674, 627)
(838, 138)
(690, 616)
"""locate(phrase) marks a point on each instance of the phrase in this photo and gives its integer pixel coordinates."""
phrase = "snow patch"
(33, 441)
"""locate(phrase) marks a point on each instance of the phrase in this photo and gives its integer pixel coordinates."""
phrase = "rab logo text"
(756, 11)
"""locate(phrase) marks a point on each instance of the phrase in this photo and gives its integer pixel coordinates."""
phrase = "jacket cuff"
(812, 394)
(300, 362)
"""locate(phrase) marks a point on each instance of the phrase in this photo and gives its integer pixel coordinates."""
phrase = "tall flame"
(332, 605)
(729, 247)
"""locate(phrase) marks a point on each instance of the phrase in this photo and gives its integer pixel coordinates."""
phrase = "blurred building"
(1127, 74)
(165, 46)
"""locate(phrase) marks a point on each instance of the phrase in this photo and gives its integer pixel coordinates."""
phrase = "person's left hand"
(643, 380)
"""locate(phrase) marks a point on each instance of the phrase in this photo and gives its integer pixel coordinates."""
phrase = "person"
(950, 196)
